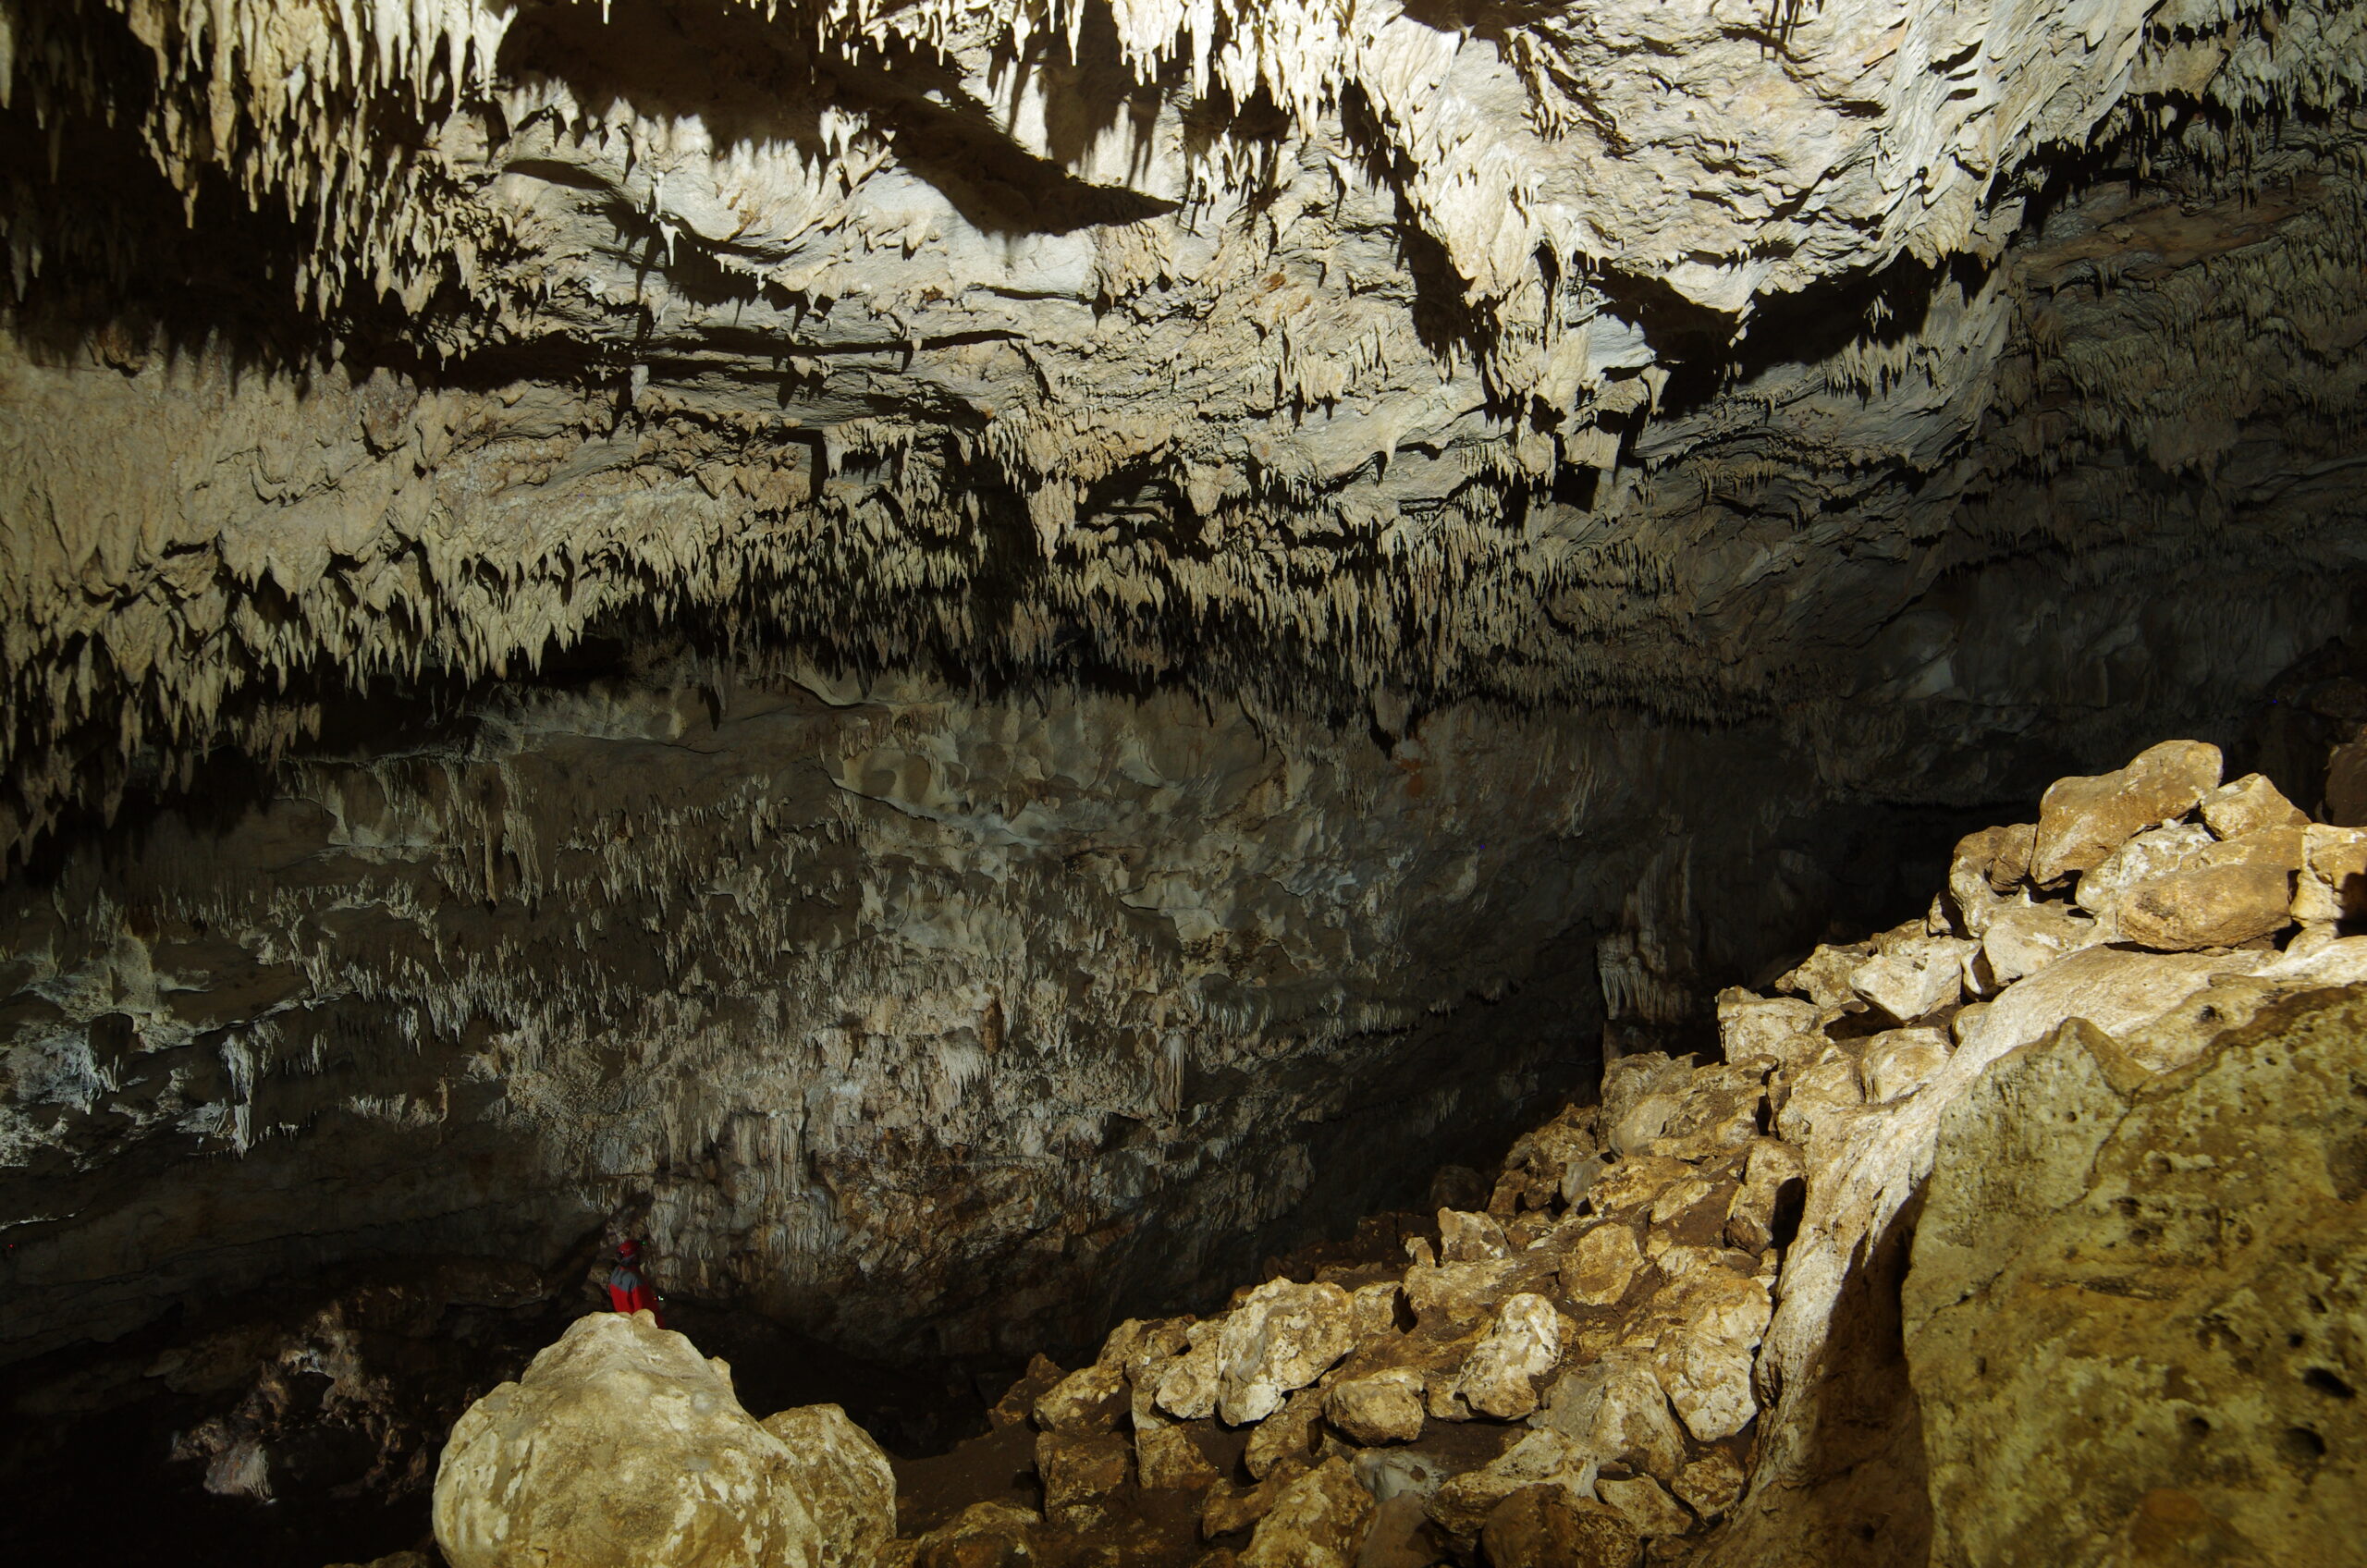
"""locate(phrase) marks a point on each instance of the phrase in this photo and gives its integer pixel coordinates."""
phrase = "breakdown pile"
(2089, 1082)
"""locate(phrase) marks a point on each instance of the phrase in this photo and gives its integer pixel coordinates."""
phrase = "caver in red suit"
(628, 1291)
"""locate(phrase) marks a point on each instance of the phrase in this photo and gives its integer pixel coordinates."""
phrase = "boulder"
(848, 1485)
(1544, 1526)
(2111, 988)
(1285, 1439)
(2333, 884)
(1823, 976)
(1705, 1366)
(1914, 977)
(2103, 887)
(1499, 1379)
(2133, 1314)
(2083, 820)
(1646, 1505)
(1612, 1411)
(1469, 1238)
(1711, 1484)
(1897, 1062)
(2249, 806)
(1079, 1472)
(2023, 938)
(2207, 906)
(1383, 1408)
(1599, 1269)
(1088, 1400)
(1282, 1337)
(1782, 1027)
(1318, 1521)
(619, 1447)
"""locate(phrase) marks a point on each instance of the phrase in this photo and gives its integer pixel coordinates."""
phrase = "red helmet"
(627, 1248)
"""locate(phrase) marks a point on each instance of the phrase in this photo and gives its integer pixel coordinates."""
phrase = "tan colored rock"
(1711, 1484)
(985, 1535)
(1822, 1099)
(1383, 1408)
(2206, 906)
(1823, 976)
(1285, 1439)
(849, 1487)
(2249, 806)
(2132, 1316)
(1782, 1027)
(1759, 1211)
(2114, 989)
(1088, 1400)
(1373, 1309)
(1317, 1522)
(1453, 1296)
(1282, 1337)
(1544, 1526)
(1913, 978)
(1646, 1507)
(1613, 1411)
(2333, 884)
(1469, 1238)
(1635, 1182)
(1461, 1506)
(1526, 1341)
(2102, 887)
(1079, 1472)
(618, 1447)
(1705, 1367)
(1167, 1458)
(1900, 1061)
(1602, 1266)
(1189, 1382)
(2024, 939)
(2014, 847)
(1973, 897)
(2083, 820)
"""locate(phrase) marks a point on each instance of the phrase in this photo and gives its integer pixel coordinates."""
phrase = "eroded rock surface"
(620, 1447)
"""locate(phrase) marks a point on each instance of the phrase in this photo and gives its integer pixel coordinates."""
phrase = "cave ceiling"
(1686, 358)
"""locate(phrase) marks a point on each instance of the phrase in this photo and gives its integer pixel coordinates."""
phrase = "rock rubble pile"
(1672, 1331)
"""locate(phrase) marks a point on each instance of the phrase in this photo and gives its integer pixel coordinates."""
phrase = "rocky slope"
(2027, 1231)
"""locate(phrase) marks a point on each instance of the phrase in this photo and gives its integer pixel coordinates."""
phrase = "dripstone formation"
(974, 663)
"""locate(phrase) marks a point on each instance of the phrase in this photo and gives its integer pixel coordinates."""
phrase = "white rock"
(1523, 1345)
(1915, 978)
(1282, 1336)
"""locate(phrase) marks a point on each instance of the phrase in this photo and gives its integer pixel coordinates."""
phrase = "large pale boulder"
(2082, 820)
(2024, 939)
(1526, 1341)
(622, 1447)
(2248, 805)
(2137, 1311)
(1913, 977)
(1318, 1522)
(1282, 1337)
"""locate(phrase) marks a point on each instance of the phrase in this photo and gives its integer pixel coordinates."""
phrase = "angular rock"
(1646, 1507)
(2101, 889)
(1970, 892)
(1285, 1438)
(1079, 1472)
(849, 1487)
(1167, 1458)
(1913, 978)
(1317, 1522)
(2011, 865)
(2333, 884)
(1282, 1337)
(1188, 1384)
(1823, 976)
(1635, 1182)
(618, 1447)
(1544, 1526)
(1088, 1400)
(1782, 1027)
(1469, 1238)
(2114, 989)
(1600, 1269)
(1705, 1368)
(1711, 1484)
(1373, 1309)
(2024, 939)
(2248, 805)
(2206, 906)
(1899, 1061)
(1499, 1379)
(1766, 1208)
(2082, 820)
(1383, 1408)
(1612, 1411)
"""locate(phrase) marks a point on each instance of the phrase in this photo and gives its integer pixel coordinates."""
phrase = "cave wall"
(1037, 647)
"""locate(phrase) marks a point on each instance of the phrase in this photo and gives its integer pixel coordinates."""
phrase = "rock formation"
(2121, 1190)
